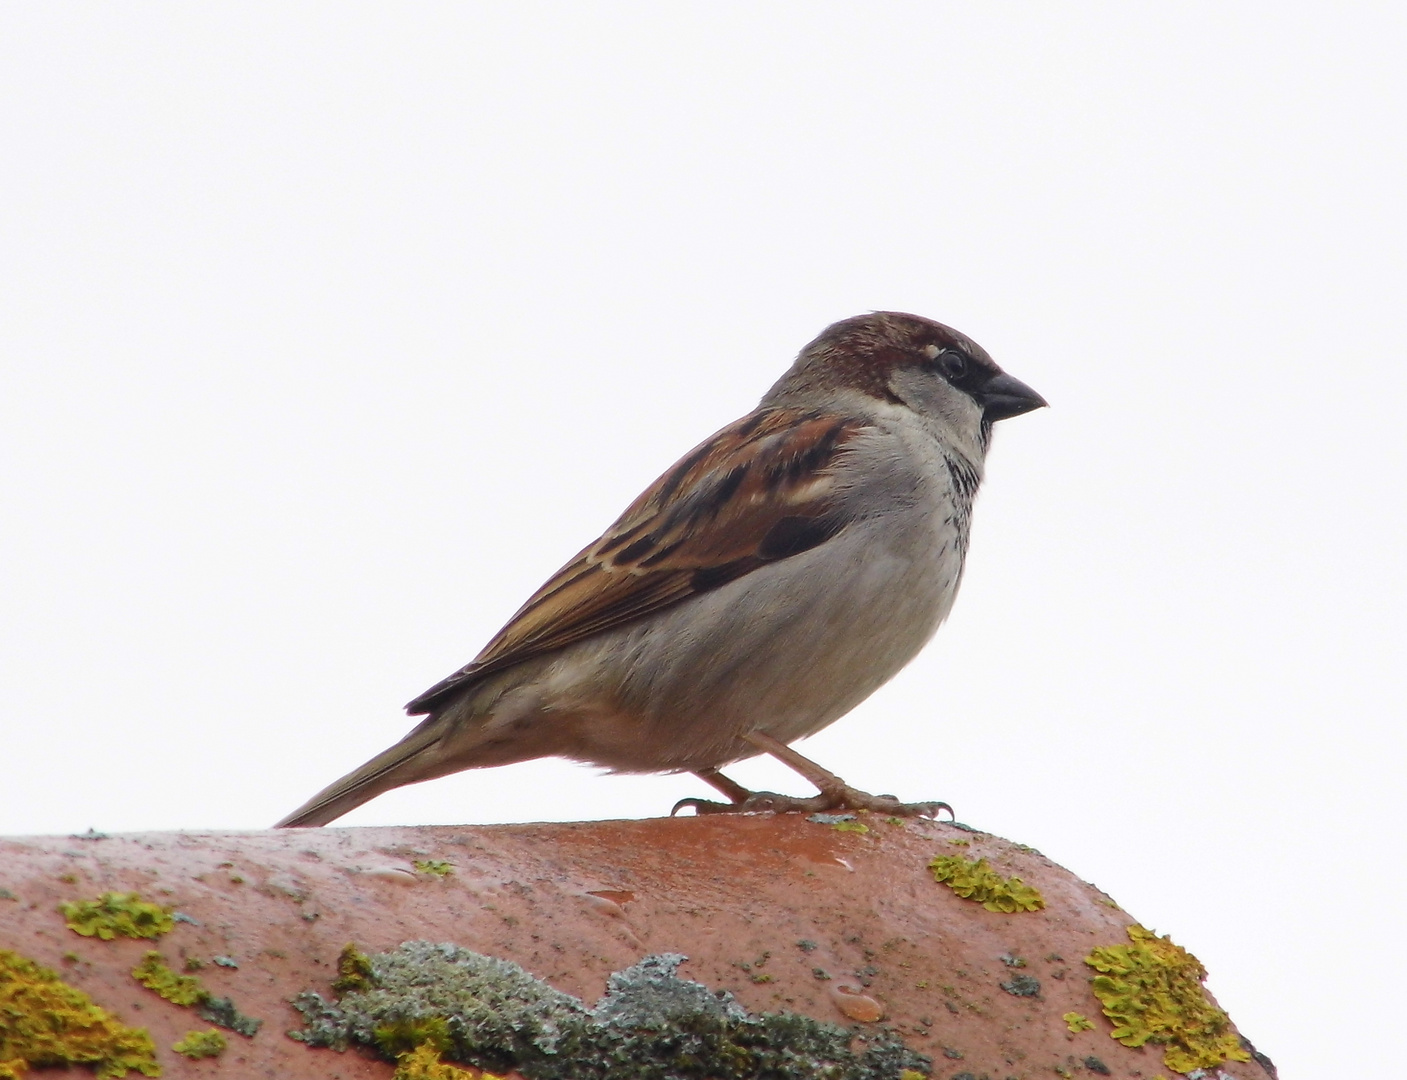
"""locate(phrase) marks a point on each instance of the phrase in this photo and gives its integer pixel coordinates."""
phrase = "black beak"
(1002, 397)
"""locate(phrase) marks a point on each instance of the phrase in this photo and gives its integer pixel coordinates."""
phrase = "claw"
(703, 806)
(758, 802)
(930, 809)
(835, 795)
(848, 798)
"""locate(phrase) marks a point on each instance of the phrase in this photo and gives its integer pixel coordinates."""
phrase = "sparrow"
(765, 585)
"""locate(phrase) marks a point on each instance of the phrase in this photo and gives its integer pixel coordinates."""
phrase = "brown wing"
(758, 491)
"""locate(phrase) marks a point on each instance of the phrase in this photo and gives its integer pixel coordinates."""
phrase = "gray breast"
(796, 645)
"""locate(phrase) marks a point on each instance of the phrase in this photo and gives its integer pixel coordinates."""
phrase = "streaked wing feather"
(758, 491)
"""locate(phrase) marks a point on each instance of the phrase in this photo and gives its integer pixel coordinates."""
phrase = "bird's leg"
(838, 794)
(738, 795)
(735, 791)
(824, 779)
(835, 794)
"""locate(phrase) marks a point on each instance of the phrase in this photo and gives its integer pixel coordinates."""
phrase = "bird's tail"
(409, 761)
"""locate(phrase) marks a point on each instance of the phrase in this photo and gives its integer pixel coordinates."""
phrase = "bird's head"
(913, 362)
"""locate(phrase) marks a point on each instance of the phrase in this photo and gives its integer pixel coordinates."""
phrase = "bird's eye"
(952, 364)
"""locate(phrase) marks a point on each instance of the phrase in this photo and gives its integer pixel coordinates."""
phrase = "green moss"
(443, 1002)
(977, 881)
(438, 867)
(201, 1044)
(44, 1021)
(114, 914)
(1152, 991)
(188, 991)
(153, 973)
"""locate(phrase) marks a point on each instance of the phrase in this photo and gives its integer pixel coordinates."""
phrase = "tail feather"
(405, 763)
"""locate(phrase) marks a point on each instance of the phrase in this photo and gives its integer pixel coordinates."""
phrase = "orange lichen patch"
(117, 914)
(1152, 990)
(48, 1022)
(976, 880)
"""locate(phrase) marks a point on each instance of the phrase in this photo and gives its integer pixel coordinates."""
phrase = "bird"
(767, 583)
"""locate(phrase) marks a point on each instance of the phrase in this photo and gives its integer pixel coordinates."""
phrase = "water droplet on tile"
(403, 874)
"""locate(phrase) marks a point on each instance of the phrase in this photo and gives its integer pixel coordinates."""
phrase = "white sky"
(329, 330)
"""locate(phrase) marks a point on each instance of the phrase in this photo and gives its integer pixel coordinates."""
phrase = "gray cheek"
(930, 396)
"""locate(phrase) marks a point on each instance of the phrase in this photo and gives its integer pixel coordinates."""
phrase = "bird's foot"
(835, 794)
(757, 802)
(849, 798)
(840, 798)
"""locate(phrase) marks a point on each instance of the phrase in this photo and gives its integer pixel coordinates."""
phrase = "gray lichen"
(649, 996)
(1022, 986)
(650, 1025)
(222, 1011)
(480, 1002)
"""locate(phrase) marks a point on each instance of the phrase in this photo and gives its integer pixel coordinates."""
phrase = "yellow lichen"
(437, 867)
(424, 1063)
(1077, 1022)
(400, 1038)
(977, 881)
(153, 973)
(188, 991)
(201, 1044)
(850, 826)
(353, 970)
(1152, 991)
(48, 1022)
(113, 914)
(419, 1047)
